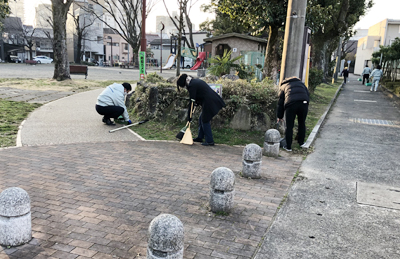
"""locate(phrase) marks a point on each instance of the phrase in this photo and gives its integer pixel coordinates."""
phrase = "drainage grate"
(374, 122)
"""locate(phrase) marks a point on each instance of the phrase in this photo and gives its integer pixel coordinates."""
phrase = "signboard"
(234, 50)
(217, 88)
(142, 64)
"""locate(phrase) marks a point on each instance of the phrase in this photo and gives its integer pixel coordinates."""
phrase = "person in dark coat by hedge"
(293, 99)
(211, 103)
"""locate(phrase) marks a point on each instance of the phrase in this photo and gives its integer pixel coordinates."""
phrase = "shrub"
(260, 97)
(315, 78)
(223, 65)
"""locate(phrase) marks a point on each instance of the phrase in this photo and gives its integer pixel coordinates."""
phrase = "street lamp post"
(112, 63)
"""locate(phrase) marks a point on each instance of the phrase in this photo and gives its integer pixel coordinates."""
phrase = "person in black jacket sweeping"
(293, 99)
(211, 103)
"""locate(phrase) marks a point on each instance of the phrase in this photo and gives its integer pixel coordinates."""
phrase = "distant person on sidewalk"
(111, 103)
(211, 103)
(345, 74)
(376, 75)
(293, 100)
(365, 73)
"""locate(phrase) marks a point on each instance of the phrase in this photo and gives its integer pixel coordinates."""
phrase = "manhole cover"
(374, 122)
(378, 195)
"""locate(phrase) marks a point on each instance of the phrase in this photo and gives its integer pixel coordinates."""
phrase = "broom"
(181, 133)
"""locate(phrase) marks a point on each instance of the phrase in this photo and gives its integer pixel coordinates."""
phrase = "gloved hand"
(129, 122)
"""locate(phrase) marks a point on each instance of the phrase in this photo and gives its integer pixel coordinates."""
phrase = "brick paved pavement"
(96, 200)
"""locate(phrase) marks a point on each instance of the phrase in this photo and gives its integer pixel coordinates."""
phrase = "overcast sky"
(381, 10)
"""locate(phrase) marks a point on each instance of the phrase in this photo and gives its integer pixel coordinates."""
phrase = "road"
(11, 70)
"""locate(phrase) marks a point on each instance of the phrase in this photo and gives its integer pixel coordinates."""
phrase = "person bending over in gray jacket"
(111, 103)
(293, 100)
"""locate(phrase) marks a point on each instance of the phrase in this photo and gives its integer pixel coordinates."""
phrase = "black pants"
(365, 76)
(300, 109)
(345, 79)
(109, 111)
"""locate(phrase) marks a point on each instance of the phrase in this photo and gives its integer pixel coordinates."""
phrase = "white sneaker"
(288, 150)
(370, 90)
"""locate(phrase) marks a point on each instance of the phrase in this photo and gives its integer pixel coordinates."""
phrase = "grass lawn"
(162, 131)
(11, 115)
(319, 101)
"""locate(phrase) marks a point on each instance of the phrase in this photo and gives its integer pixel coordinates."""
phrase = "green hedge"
(260, 97)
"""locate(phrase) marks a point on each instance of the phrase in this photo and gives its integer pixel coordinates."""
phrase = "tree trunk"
(61, 65)
(79, 48)
(271, 53)
(30, 53)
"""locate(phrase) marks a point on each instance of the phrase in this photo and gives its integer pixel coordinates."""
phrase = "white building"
(382, 33)
(92, 42)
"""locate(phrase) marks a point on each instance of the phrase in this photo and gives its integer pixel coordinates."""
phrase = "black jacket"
(292, 90)
(203, 95)
(345, 73)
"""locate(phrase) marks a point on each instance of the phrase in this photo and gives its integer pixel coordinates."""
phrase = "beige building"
(117, 50)
(238, 43)
(382, 33)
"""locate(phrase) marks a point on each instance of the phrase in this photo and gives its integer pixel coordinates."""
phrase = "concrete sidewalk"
(344, 203)
(72, 119)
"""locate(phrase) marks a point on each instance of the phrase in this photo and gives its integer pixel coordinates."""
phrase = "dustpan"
(368, 84)
(187, 137)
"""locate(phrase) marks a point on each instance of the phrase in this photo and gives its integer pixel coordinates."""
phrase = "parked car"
(43, 60)
(15, 59)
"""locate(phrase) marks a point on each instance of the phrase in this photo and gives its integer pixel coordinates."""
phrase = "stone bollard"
(271, 142)
(166, 238)
(15, 217)
(222, 190)
(252, 158)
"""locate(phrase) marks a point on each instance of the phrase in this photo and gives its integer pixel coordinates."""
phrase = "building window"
(126, 46)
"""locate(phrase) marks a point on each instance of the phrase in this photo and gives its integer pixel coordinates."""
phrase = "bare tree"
(61, 66)
(81, 28)
(127, 17)
(29, 38)
(184, 9)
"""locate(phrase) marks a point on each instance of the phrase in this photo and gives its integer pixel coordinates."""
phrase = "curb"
(314, 132)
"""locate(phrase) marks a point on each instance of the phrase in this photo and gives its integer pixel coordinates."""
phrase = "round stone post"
(222, 190)
(15, 217)
(271, 142)
(252, 158)
(165, 238)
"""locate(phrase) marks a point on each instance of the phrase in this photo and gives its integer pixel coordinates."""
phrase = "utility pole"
(293, 43)
(143, 38)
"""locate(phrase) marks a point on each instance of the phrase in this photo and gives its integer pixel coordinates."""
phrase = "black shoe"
(109, 122)
(197, 140)
(104, 119)
(208, 144)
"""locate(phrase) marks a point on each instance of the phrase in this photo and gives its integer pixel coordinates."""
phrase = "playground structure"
(170, 61)
(199, 60)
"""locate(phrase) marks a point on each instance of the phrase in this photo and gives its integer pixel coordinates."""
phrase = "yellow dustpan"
(187, 137)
